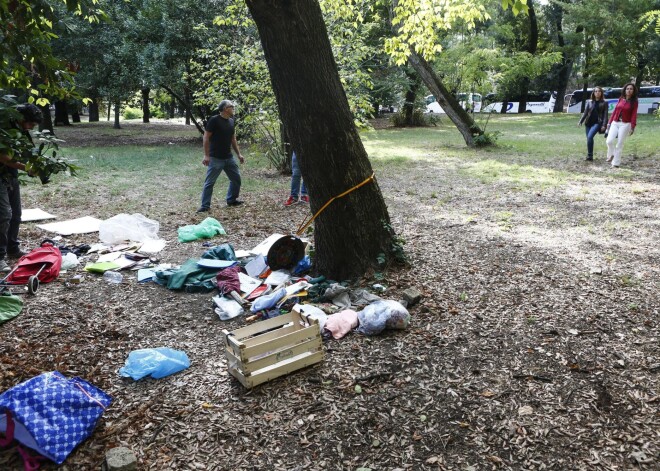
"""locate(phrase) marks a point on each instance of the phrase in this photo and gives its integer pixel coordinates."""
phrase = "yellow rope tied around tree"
(309, 220)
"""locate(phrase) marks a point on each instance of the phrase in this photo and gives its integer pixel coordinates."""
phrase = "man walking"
(219, 139)
(10, 193)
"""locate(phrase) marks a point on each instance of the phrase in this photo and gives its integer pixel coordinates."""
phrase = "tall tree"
(353, 231)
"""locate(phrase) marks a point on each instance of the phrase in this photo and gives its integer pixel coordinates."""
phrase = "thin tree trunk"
(146, 112)
(75, 114)
(353, 231)
(461, 118)
(411, 96)
(174, 95)
(532, 45)
(172, 109)
(109, 108)
(117, 113)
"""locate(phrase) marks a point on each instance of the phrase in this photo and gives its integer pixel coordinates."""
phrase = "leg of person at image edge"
(296, 178)
(591, 132)
(619, 131)
(10, 220)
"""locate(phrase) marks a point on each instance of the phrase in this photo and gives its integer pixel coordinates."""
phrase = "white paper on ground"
(109, 257)
(153, 245)
(35, 214)
(124, 262)
(242, 253)
(145, 274)
(278, 277)
(294, 288)
(255, 267)
(82, 225)
(248, 284)
(264, 246)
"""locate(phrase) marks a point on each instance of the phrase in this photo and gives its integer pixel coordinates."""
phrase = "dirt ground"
(536, 344)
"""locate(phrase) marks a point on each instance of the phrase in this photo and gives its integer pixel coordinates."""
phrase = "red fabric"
(228, 280)
(627, 110)
(9, 432)
(29, 264)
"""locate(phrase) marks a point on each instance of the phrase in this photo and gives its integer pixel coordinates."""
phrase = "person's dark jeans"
(10, 215)
(591, 133)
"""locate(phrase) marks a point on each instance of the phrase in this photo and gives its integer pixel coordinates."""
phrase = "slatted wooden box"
(272, 348)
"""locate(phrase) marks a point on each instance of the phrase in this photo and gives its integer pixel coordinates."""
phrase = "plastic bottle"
(113, 277)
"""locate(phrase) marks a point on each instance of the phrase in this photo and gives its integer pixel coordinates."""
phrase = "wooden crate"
(269, 349)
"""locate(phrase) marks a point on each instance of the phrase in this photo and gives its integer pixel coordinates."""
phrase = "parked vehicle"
(648, 99)
(537, 102)
(468, 101)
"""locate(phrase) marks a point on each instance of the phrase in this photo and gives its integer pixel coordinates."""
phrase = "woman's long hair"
(623, 91)
(602, 94)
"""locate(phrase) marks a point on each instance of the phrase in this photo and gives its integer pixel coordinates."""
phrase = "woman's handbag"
(51, 414)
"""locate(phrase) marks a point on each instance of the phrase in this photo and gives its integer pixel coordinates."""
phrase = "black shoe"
(18, 253)
(203, 210)
(234, 203)
(589, 159)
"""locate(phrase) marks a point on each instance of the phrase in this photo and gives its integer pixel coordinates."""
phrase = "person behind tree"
(594, 118)
(10, 193)
(219, 139)
(622, 123)
(297, 185)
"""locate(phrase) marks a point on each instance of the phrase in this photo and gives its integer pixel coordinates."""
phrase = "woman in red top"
(622, 123)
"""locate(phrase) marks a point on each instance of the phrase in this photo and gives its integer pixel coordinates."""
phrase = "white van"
(468, 101)
(543, 102)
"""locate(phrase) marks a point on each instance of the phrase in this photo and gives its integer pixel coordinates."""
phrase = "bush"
(418, 119)
(132, 113)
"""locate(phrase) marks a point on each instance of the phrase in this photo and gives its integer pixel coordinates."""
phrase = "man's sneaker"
(4, 267)
(289, 201)
(203, 210)
(304, 199)
(234, 203)
(18, 253)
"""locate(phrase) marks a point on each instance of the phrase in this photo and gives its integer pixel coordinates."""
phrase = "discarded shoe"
(289, 201)
(304, 199)
(203, 210)
(234, 203)
(4, 267)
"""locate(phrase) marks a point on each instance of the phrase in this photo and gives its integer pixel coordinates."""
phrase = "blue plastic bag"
(157, 362)
(268, 301)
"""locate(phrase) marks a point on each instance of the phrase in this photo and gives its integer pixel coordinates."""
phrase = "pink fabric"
(341, 323)
(227, 280)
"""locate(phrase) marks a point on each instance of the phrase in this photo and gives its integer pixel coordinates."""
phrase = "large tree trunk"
(461, 118)
(94, 111)
(532, 45)
(47, 123)
(353, 231)
(146, 112)
(117, 113)
(564, 72)
(61, 114)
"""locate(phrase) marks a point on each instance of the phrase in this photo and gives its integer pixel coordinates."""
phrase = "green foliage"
(486, 139)
(131, 113)
(649, 18)
(418, 119)
(39, 161)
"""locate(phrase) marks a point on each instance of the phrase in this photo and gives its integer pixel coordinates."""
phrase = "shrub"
(418, 119)
(132, 113)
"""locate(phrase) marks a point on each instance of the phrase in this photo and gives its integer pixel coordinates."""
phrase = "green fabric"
(10, 307)
(208, 228)
(189, 274)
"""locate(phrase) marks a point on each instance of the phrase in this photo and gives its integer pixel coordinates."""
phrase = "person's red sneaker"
(304, 199)
(290, 200)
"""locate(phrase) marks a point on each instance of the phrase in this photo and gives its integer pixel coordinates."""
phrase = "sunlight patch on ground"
(489, 171)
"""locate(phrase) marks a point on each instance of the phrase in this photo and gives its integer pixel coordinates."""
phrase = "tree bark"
(354, 231)
(75, 113)
(411, 96)
(146, 112)
(109, 108)
(117, 113)
(532, 45)
(461, 118)
(47, 123)
(61, 114)
(94, 111)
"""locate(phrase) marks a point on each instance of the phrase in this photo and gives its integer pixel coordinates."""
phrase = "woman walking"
(594, 118)
(622, 123)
